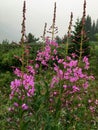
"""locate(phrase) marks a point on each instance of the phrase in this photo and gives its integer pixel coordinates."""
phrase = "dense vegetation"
(82, 118)
(48, 86)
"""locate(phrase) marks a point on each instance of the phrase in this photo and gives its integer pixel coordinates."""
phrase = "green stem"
(67, 46)
(81, 48)
(53, 31)
(20, 120)
(22, 46)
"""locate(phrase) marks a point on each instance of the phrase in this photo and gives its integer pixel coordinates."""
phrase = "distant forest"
(91, 29)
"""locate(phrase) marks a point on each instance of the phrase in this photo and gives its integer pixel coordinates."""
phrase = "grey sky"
(38, 12)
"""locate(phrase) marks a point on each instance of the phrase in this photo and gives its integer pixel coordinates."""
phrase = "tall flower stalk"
(69, 33)
(44, 32)
(53, 29)
(82, 31)
(23, 33)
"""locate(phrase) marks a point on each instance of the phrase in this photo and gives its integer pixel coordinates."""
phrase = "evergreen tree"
(31, 38)
(97, 26)
(93, 30)
(64, 39)
(58, 40)
(76, 39)
(88, 26)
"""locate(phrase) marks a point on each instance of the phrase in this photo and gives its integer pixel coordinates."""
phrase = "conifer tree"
(76, 39)
(88, 26)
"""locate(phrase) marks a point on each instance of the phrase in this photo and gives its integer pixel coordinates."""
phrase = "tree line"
(91, 26)
(91, 29)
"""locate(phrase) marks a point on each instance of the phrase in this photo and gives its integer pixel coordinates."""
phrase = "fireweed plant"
(48, 54)
(22, 88)
(69, 83)
(48, 102)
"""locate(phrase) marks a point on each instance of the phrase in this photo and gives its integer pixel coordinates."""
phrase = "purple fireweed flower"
(68, 58)
(64, 86)
(55, 51)
(73, 55)
(51, 42)
(16, 104)
(31, 70)
(24, 106)
(85, 85)
(91, 77)
(49, 52)
(15, 84)
(28, 82)
(60, 74)
(31, 92)
(66, 75)
(55, 93)
(56, 68)
(65, 64)
(60, 61)
(44, 62)
(15, 87)
(11, 109)
(73, 63)
(92, 109)
(75, 89)
(54, 80)
(36, 66)
(56, 57)
(18, 72)
(85, 60)
(89, 101)
(96, 101)
(73, 79)
(23, 87)
(69, 70)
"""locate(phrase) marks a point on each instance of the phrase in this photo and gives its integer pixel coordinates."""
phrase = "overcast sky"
(37, 13)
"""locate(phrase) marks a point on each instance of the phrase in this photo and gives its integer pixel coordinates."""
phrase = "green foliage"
(91, 27)
(6, 47)
(7, 60)
(34, 48)
(43, 118)
(58, 40)
(76, 39)
(96, 36)
(88, 26)
(31, 38)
